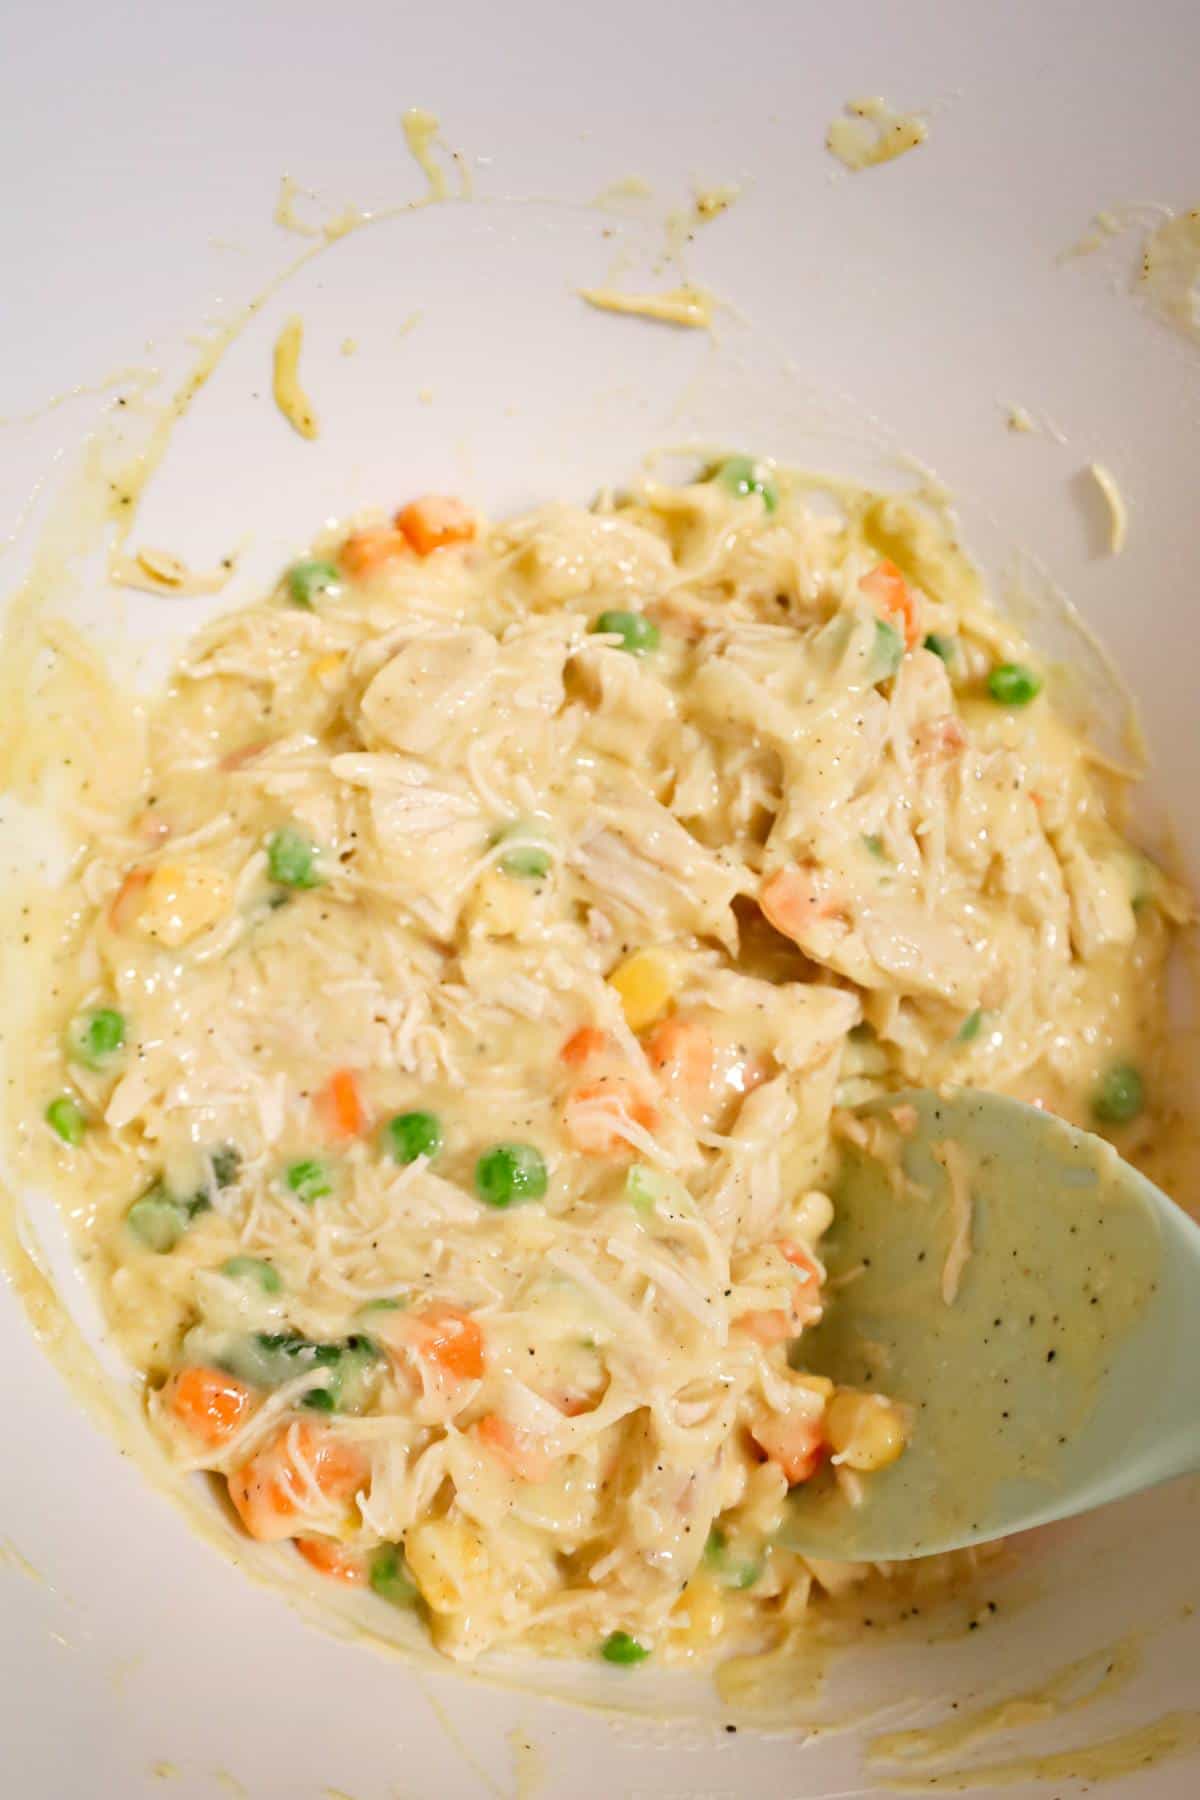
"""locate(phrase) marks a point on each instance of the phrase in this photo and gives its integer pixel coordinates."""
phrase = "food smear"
(1170, 271)
(290, 396)
(440, 1051)
(870, 132)
(686, 305)
(1114, 500)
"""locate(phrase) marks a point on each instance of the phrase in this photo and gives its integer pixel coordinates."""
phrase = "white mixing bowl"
(143, 149)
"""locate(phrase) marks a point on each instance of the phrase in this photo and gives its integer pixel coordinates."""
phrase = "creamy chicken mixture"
(447, 1056)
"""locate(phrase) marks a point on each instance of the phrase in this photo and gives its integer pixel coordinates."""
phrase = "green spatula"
(1065, 1370)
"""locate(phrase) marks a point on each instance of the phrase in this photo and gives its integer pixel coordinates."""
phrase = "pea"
(226, 1163)
(309, 1179)
(1012, 684)
(637, 633)
(413, 1134)
(291, 859)
(1120, 1095)
(873, 844)
(886, 652)
(620, 1648)
(309, 579)
(67, 1119)
(510, 1172)
(942, 646)
(527, 863)
(969, 1029)
(97, 1037)
(743, 476)
(157, 1220)
(390, 1578)
(253, 1268)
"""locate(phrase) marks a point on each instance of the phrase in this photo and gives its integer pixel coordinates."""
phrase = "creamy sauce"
(1128, 1753)
(422, 131)
(871, 132)
(290, 396)
(180, 882)
(161, 572)
(1081, 1683)
(1170, 272)
(687, 305)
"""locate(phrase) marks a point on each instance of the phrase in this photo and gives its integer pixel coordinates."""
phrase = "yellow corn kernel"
(698, 1615)
(645, 983)
(447, 1562)
(500, 907)
(181, 901)
(325, 670)
(865, 1431)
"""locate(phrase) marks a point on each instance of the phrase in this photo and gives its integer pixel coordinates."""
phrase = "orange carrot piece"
(793, 900)
(328, 1557)
(887, 590)
(366, 551)
(208, 1403)
(128, 900)
(583, 1045)
(767, 1326)
(340, 1105)
(681, 1051)
(269, 1493)
(792, 1441)
(450, 1338)
(594, 1110)
(518, 1450)
(434, 521)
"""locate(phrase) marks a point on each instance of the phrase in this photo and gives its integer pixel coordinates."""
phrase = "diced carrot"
(447, 1337)
(328, 1557)
(245, 753)
(208, 1403)
(518, 1450)
(807, 1306)
(794, 1442)
(434, 521)
(767, 1326)
(680, 1050)
(793, 900)
(271, 1492)
(595, 1110)
(887, 590)
(938, 740)
(151, 827)
(340, 1105)
(128, 900)
(582, 1045)
(366, 551)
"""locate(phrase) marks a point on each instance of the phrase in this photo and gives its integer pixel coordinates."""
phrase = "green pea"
(1012, 684)
(510, 1172)
(620, 1648)
(969, 1028)
(528, 863)
(98, 1036)
(886, 652)
(157, 1220)
(733, 1571)
(743, 476)
(873, 844)
(945, 647)
(291, 859)
(413, 1134)
(384, 1304)
(309, 1179)
(306, 580)
(637, 633)
(226, 1163)
(320, 1399)
(67, 1119)
(253, 1268)
(1120, 1095)
(389, 1577)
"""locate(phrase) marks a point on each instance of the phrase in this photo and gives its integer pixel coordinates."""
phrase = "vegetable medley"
(458, 1035)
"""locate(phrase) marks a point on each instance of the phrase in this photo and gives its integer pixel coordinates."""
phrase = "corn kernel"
(699, 1613)
(447, 1562)
(645, 983)
(181, 901)
(865, 1431)
(500, 907)
(326, 669)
